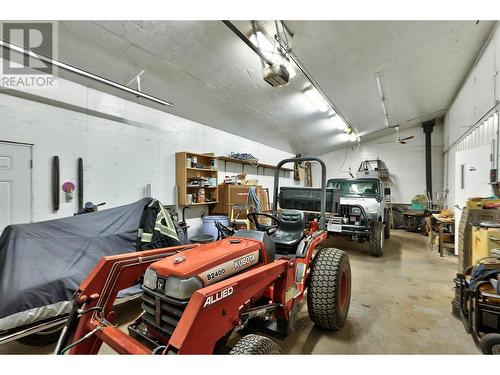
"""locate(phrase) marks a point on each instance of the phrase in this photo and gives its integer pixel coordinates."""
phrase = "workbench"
(441, 223)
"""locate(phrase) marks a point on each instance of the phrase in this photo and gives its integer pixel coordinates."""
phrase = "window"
(355, 188)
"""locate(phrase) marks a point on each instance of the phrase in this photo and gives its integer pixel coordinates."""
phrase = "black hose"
(55, 183)
(81, 339)
(80, 183)
(158, 348)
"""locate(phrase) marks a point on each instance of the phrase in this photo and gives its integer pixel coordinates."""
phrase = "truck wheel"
(490, 343)
(42, 338)
(377, 238)
(255, 345)
(329, 290)
(387, 229)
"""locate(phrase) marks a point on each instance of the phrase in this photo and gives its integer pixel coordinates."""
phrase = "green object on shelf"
(419, 202)
(418, 206)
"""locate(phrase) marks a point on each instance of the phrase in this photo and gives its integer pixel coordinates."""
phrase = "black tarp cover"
(42, 264)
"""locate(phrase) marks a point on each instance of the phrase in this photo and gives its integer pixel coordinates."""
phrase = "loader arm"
(217, 306)
(99, 290)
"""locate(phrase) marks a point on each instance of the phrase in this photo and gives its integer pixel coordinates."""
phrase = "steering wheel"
(223, 231)
(269, 229)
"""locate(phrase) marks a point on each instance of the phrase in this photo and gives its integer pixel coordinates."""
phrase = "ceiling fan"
(398, 139)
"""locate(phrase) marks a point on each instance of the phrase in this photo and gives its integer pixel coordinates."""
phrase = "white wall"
(406, 163)
(124, 146)
(475, 99)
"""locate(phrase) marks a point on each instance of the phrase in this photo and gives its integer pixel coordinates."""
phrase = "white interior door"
(472, 174)
(472, 177)
(15, 184)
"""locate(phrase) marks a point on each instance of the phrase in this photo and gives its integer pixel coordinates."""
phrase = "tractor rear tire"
(255, 345)
(329, 288)
(490, 343)
(377, 237)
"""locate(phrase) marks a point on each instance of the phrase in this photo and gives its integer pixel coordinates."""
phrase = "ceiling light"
(316, 98)
(338, 122)
(265, 45)
(378, 77)
(380, 88)
(353, 137)
(347, 129)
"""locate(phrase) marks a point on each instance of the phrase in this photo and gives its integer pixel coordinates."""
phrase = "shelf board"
(198, 204)
(244, 162)
(200, 155)
(201, 187)
(201, 169)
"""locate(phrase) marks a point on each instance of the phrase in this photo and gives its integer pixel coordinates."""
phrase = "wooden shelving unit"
(227, 159)
(183, 173)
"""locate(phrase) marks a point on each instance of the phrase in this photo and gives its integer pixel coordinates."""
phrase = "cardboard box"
(230, 195)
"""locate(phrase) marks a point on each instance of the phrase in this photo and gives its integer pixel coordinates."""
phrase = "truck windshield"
(355, 188)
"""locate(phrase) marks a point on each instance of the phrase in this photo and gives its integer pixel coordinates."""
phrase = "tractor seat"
(290, 232)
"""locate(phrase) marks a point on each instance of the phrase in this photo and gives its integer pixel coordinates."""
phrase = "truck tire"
(377, 238)
(490, 343)
(387, 228)
(329, 288)
(255, 345)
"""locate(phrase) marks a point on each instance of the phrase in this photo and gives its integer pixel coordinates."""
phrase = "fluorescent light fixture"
(83, 73)
(338, 122)
(380, 88)
(378, 77)
(316, 98)
(265, 45)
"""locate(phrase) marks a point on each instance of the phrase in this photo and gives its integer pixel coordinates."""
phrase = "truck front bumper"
(354, 229)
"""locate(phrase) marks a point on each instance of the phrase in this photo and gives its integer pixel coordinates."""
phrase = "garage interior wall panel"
(471, 122)
(406, 163)
(124, 145)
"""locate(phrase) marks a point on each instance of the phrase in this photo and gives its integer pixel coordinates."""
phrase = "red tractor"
(196, 296)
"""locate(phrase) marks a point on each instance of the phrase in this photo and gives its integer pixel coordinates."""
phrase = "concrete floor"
(400, 304)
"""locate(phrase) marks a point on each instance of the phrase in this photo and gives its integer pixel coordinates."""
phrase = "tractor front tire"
(377, 236)
(490, 343)
(255, 345)
(329, 290)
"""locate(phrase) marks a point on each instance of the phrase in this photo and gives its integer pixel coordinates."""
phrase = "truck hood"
(369, 204)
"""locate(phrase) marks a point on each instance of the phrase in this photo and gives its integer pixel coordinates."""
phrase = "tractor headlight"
(150, 279)
(182, 288)
(355, 211)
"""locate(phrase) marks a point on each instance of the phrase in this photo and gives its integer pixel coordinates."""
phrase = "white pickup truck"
(363, 213)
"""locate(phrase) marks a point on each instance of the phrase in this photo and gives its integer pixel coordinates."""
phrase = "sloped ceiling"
(213, 78)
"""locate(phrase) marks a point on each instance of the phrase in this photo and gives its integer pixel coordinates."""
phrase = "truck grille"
(162, 313)
(336, 220)
(346, 217)
(344, 211)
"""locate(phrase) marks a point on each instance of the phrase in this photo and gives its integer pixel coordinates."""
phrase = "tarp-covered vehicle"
(42, 264)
